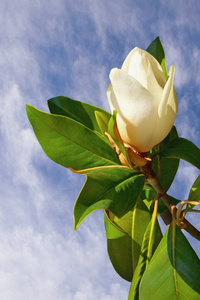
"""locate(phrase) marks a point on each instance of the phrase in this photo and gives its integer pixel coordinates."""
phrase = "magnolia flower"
(146, 102)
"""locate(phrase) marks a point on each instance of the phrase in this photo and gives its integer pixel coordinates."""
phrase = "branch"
(153, 180)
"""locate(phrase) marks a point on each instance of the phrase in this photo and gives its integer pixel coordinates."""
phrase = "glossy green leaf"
(79, 111)
(113, 231)
(111, 125)
(148, 196)
(194, 194)
(124, 238)
(182, 149)
(70, 143)
(165, 168)
(119, 250)
(168, 170)
(151, 239)
(156, 50)
(102, 121)
(174, 270)
(113, 188)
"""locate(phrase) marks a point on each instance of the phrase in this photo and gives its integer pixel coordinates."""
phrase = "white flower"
(146, 102)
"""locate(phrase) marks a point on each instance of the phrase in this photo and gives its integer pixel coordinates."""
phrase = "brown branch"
(167, 217)
(152, 179)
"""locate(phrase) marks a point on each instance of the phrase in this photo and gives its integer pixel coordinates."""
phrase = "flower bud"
(146, 102)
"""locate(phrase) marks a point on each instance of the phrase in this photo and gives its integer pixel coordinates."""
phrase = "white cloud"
(46, 265)
(187, 119)
(67, 47)
(109, 17)
(42, 257)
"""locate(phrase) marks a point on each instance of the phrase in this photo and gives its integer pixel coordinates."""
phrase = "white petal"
(167, 110)
(137, 108)
(126, 63)
(169, 98)
(158, 73)
(138, 67)
(152, 84)
(108, 93)
(145, 68)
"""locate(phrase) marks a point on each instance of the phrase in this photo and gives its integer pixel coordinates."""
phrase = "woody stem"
(153, 180)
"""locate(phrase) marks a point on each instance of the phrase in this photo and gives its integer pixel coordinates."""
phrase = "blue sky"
(68, 47)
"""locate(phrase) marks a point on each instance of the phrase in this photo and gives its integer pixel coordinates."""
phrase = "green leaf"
(119, 250)
(173, 272)
(113, 231)
(151, 239)
(194, 194)
(165, 168)
(70, 143)
(111, 125)
(79, 111)
(124, 238)
(168, 170)
(157, 51)
(102, 121)
(148, 196)
(183, 149)
(113, 188)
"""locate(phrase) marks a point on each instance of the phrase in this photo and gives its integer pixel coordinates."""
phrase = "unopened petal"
(138, 68)
(158, 73)
(152, 84)
(146, 69)
(169, 98)
(137, 109)
(126, 63)
(167, 110)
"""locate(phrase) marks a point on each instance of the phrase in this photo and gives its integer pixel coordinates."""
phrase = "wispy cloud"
(46, 265)
(67, 48)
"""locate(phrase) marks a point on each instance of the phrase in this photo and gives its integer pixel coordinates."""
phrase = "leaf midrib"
(173, 257)
(115, 186)
(101, 157)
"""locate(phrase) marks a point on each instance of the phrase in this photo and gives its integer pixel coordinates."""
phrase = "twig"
(152, 179)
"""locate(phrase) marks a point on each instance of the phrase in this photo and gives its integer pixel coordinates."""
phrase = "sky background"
(68, 47)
